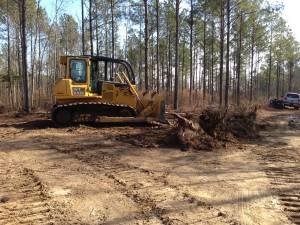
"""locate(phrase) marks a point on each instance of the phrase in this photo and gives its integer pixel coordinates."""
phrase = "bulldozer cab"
(94, 71)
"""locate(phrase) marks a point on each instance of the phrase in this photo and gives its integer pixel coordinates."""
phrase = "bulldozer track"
(88, 111)
(23, 199)
(152, 205)
(285, 180)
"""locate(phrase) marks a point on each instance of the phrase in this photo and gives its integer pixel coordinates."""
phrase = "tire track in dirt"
(23, 199)
(171, 205)
(281, 160)
(284, 172)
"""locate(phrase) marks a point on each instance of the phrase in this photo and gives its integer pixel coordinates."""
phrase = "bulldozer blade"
(154, 106)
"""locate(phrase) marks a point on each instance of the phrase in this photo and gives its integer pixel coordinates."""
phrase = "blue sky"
(290, 13)
(72, 7)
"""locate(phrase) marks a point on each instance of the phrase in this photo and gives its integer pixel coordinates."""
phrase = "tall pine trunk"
(22, 17)
(112, 29)
(270, 64)
(252, 65)
(291, 65)
(91, 28)
(191, 49)
(183, 66)
(97, 32)
(277, 79)
(204, 52)
(140, 53)
(9, 56)
(212, 62)
(221, 53)
(176, 55)
(146, 44)
(157, 45)
(82, 28)
(227, 55)
(169, 75)
(239, 61)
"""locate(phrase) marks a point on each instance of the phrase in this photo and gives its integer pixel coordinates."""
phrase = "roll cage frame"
(107, 60)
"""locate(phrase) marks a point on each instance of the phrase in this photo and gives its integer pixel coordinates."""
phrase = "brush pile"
(212, 127)
(205, 130)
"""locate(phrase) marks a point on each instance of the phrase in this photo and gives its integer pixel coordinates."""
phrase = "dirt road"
(87, 175)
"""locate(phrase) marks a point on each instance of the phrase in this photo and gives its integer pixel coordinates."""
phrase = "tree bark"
(239, 61)
(22, 13)
(212, 62)
(140, 54)
(227, 56)
(283, 82)
(252, 64)
(146, 44)
(169, 75)
(39, 73)
(157, 45)
(277, 80)
(221, 54)
(97, 31)
(162, 72)
(270, 64)
(191, 49)
(8, 56)
(291, 65)
(204, 52)
(152, 62)
(176, 55)
(91, 28)
(82, 28)
(182, 66)
(112, 28)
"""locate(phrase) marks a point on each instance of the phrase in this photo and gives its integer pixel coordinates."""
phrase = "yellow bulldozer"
(98, 88)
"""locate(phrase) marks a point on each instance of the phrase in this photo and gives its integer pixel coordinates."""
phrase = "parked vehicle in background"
(276, 103)
(292, 100)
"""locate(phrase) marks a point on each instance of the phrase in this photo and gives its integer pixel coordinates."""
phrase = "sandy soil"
(88, 175)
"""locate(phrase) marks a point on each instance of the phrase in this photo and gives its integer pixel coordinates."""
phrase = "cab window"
(78, 70)
(292, 96)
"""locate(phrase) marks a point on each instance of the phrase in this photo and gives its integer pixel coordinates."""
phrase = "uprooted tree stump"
(212, 121)
(191, 135)
(205, 131)
(241, 123)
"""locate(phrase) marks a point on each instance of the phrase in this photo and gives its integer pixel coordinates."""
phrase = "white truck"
(291, 99)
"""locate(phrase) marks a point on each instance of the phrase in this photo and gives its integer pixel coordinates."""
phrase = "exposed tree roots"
(211, 127)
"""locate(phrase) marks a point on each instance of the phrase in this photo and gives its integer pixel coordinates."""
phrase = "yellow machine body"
(116, 99)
